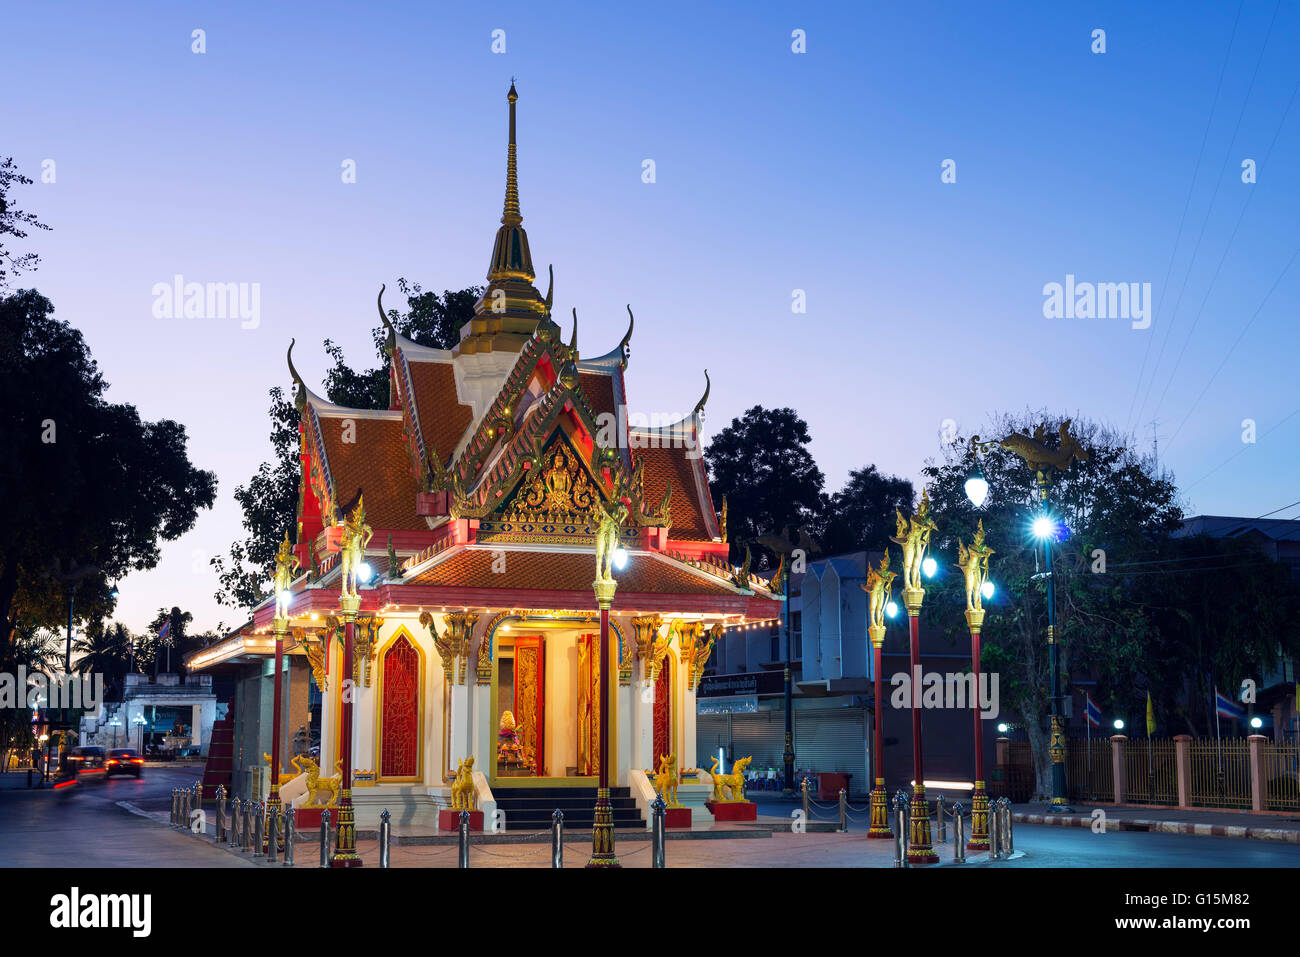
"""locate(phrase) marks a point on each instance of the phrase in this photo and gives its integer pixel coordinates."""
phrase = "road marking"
(151, 815)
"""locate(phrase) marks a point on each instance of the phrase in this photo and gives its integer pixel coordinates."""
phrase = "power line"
(1244, 447)
(1227, 153)
(1196, 171)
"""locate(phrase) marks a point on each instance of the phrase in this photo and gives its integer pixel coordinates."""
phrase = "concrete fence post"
(1118, 766)
(1183, 765)
(1004, 751)
(1257, 782)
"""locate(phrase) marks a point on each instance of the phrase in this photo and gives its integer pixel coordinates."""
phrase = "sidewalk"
(1201, 822)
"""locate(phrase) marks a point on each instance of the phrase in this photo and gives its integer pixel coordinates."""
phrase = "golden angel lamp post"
(974, 565)
(608, 554)
(1044, 462)
(878, 586)
(356, 535)
(285, 563)
(915, 540)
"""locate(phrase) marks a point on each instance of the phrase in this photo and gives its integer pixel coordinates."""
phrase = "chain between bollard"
(659, 811)
(385, 837)
(325, 838)
(557, 838)
(463, 857)
(290, 835)
(958, 835)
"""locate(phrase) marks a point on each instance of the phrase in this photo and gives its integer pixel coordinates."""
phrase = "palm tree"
(104, 650)
(36, 650)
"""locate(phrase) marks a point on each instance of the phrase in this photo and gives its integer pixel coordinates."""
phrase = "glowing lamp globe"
(987, 589)
(1044, 527)
(1257, 722)
(1119, 724)
(620, 558)
(892, 609)
(929, 566)
(364, 572)
(977, 487)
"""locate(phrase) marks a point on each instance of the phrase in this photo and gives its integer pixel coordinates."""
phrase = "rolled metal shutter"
(760, 735)
(712, 731)
(833, 739)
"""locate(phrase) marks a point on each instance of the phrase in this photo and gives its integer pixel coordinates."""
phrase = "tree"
(12, 223)
(36, 650)
(270, 498)
(105, 650)
(1111, 501)
(90, 488)
(761, 464)
(860, 516)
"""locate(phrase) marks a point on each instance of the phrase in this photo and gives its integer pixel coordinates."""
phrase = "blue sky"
(775, 171)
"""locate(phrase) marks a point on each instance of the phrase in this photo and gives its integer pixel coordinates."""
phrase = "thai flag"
(1091, 711)
(1226, 707)
(165, 631)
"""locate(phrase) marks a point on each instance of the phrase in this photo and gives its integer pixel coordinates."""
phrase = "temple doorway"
(521, 696)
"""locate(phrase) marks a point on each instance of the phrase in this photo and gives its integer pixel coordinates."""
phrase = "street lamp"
(140, 721)
(356, 535)
(285, 564)
(1119, 724)
(914, 541)
(974, 565)
(613, 514)
(1045, 462)
(977, 486)
(115, 724)
(1257, 722)
(877, 586)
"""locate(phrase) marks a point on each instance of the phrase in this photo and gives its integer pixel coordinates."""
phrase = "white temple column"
(460, 744)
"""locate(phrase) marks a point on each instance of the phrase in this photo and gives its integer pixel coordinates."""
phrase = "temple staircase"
(530, 809)
(221, 753)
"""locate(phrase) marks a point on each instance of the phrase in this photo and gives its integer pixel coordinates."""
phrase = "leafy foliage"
(14, 222)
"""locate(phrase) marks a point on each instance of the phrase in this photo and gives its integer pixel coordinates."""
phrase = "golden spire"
(510, 309)
(510, 216)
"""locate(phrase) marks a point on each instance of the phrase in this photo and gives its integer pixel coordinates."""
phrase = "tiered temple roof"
(507, 445)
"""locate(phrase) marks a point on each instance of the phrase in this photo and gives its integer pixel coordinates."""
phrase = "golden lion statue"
(317, 786)
(464, 796)
(733, 782)
(666, 779)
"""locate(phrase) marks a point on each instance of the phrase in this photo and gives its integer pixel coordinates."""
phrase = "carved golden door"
(530, 697)
(589, 705)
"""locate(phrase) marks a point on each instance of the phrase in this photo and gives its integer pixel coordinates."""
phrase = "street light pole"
(788, 755)
(877, 587)
(1044, 462)
(974, 563)
(914, 542)
(356, 534)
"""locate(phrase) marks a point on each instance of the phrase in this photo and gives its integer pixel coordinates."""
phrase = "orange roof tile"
(598, 390)
(377, 463)
(443, 420)
(563, 571)
(662, 465)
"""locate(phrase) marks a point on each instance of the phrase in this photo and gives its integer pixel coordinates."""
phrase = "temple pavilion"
(482, 481)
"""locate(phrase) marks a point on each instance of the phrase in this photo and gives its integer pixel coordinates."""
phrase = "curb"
(1280, 834)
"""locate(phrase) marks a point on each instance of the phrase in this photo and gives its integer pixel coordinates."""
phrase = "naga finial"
(550, 289)
(300, 398)
(391, 343)
(573, 340)
(699, 406)
(624, 344)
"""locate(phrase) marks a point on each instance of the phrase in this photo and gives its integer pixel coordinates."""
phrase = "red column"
(879, 799)
(920, 850)
(979, 824)
(602, 831)
(345, 845)
(273, 801)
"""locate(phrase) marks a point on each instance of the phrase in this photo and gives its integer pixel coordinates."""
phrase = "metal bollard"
(325, 838)
(1008, 841)
(250, 810)
(198, 797)
(659, 811)
(463, 856)
(557, 838)
(803, 786)
(233, 829)
(900, 831)
(259, 830)
(273, 835)
(219, 834)
(385, 837)
(943, 821)
(290, 835)
(187, 801)
(173, 814)
(995, 836)
(958, 835)
(844, 810)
